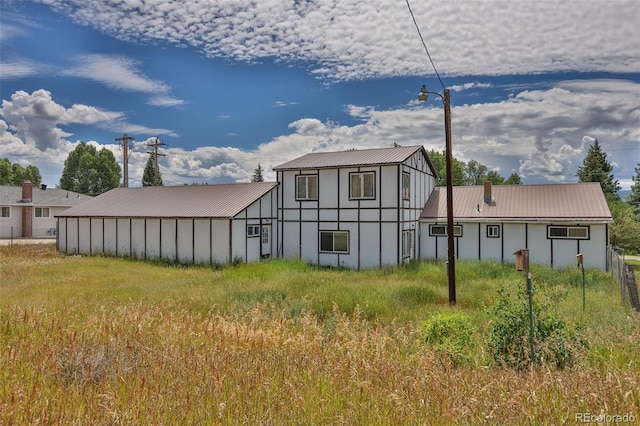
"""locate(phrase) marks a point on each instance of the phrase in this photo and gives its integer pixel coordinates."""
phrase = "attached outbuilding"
(555, 222)
(199, 224)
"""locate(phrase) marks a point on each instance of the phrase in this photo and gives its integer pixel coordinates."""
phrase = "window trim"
(457, 230)
(253, 231)
(3, 209)
(40, 210)
(306, 179)
(362, 186)
(495, 233)
(333, 233)
(568, 229)
(406, 186)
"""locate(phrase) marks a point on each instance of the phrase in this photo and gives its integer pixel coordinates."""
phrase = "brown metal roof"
(559, 202)
(364, 157)
(205, 201)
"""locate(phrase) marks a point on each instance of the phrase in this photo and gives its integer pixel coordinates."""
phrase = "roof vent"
(43, 186)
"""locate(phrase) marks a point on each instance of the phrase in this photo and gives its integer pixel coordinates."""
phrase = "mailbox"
(522, 260)
(579, 259)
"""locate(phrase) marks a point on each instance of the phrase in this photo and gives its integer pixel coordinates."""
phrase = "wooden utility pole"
(158, 143)
(124, 142)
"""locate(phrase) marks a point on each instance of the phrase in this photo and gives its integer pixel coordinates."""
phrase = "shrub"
(452, 336)
(508, 340)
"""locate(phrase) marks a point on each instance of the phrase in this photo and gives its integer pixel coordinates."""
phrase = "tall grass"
(96, 340)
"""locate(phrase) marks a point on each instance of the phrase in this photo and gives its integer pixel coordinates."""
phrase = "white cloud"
(353, 39)
(541, 134)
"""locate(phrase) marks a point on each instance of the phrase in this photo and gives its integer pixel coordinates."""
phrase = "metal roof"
(194, 201)
(50, 197)
(353, 158)
(558, 202)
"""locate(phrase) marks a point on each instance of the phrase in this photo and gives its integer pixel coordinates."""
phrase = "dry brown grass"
(111, 361)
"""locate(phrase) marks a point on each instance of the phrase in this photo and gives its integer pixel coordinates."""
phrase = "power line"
(424, 44)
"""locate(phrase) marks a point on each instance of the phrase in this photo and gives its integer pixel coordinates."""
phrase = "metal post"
(449, 165)
(530, 292)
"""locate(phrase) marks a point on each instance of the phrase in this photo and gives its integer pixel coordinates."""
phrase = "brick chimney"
(27, 210)
(488, 198)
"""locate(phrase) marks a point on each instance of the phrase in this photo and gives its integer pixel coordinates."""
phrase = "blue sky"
(230, 84)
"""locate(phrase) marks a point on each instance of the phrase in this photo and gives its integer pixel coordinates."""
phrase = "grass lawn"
(97, 340)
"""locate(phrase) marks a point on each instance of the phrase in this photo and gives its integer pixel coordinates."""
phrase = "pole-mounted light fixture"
(451, 265)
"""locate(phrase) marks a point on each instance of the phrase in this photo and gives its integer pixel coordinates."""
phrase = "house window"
(493, 231)
(253, 231)
(406, 186)
(307, 187)
(407, 243)
(42, 211)
(363, 185)
(568, 232)
(5, 211)
(334, 241)
(441, 230)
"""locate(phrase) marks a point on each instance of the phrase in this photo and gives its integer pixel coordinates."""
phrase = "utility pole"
(158, 143)
(124, 142)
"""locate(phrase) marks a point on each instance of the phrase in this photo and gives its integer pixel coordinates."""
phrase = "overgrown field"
(94, 340)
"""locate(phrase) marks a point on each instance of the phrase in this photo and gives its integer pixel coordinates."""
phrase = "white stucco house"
(356, 209)
(28, 212)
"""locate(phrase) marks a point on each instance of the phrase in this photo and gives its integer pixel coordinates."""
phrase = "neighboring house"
(555, 222)
(214, 224)
(357, 209)
(27, 212)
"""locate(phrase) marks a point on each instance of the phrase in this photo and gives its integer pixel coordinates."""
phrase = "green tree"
(257, 174)
(625, 229)
(513, 179)
(634, 197)
(148, 177)
(475, 173)
(493, 177)
(439, 163)
(596, 168)
(90, 172)
(13, 174)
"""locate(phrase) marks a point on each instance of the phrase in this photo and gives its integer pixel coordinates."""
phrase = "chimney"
(27, 191)
(487, 192)
(27, 211)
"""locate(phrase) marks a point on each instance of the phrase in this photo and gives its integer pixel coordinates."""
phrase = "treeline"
(471, 173)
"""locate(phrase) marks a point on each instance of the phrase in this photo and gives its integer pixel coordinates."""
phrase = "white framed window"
(568, 232)
(406, 186)
(334, 241)
(441, 230)
(307, 187)
(42, 211)
(407, 243)
(362, 185)
(253, 230)
(493, 231)
(5, 211)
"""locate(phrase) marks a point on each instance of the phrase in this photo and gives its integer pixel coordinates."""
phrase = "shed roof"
(50, 197)
(354, 158)
(582, 202)
(195, 201)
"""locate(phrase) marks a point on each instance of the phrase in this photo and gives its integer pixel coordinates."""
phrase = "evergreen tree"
(257, 174)
(596, 168)
(634, 197)
(90, 172)
(148, 177)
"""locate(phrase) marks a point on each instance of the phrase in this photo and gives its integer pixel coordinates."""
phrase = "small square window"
(42, 211)
(493, 231)
(5, 211)
(253, 230)
(307, 187)
(334, 241)
(362, 185)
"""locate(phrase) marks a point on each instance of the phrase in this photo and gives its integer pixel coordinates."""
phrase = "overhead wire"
(424, 44)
